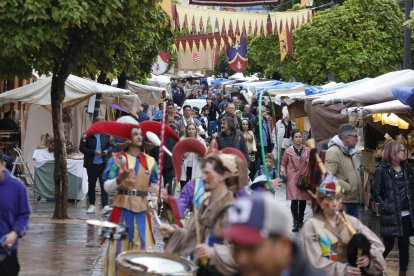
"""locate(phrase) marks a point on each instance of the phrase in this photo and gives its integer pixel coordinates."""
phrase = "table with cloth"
(44, 186)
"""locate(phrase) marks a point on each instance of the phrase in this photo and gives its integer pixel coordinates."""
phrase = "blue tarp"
(217, 82)
(404, 95)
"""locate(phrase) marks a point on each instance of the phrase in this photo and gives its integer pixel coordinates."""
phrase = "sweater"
(14, 206)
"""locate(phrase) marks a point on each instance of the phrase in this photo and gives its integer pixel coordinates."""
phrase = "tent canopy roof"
(387, 107)
(376, 90)
(75, 88)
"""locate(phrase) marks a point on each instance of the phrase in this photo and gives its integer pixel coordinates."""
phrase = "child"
(270, 167)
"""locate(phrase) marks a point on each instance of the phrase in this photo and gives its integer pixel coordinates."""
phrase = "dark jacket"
(87, 147)
(386, 193)
(239, 143)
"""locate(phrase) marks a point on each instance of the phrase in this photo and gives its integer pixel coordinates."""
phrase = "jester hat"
(123, 126)
(329, 187)
(233, 159)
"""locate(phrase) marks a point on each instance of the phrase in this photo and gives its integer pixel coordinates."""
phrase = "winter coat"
(293, 167)
(341, 162)
(239, 143)
(386, 193)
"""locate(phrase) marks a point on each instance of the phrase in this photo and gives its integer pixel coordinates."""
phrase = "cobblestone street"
(71, 247)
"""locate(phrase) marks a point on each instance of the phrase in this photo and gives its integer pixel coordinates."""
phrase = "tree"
(264, 57)
(355, 40)
(63, 36)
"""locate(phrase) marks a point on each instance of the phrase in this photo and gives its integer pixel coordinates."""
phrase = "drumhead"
(160, 265)
(154, 263)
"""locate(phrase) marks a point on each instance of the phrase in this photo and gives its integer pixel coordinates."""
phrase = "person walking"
(394, 191)
(231, 137)
(281, 133)
(294, 165)
(96, 149)
(14, 218)
(340, 160)
(191, 162)
(249, 137)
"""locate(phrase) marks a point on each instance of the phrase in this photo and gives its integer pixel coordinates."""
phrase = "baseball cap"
(252, 219)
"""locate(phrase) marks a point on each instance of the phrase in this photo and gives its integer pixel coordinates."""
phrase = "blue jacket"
(14, 206)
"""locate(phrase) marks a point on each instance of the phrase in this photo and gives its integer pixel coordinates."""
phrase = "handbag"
(303, 183)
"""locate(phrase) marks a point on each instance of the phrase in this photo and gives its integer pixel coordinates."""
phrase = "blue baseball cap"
(252, 219)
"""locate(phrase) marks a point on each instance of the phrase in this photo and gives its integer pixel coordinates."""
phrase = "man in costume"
(130, 173)
(201, 235)
(195, 193)
(331, 238)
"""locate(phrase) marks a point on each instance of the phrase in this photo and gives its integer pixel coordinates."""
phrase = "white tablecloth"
(74, 166)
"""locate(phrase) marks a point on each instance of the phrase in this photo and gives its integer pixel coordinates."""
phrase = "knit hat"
(252, 219)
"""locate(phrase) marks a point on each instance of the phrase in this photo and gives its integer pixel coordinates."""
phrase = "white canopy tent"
(387, 107)
(372, 91)
(37, 120)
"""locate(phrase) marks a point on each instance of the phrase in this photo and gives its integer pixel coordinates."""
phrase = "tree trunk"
(122, 80)
(60, 173)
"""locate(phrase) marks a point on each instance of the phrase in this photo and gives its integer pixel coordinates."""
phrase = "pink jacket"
(292, 166)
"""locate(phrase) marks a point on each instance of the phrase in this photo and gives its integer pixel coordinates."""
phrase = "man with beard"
(230, 137)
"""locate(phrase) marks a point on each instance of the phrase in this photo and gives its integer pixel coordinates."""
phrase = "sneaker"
(106, 210)
(91, 209)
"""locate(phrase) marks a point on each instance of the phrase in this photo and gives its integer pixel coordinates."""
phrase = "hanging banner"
(234, 3)
(237, 54)
(285, 40)
(195, 58)
(226, 23)
(161, 65)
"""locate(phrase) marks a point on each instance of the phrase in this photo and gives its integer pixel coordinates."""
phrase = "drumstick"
(157, 219)
(203, 261)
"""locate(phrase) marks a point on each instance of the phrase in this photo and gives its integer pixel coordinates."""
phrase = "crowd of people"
(225, 218)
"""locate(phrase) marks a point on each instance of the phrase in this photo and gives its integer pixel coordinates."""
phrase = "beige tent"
(36, 118)
(148, 94)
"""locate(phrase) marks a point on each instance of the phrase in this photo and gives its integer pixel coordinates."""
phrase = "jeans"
(10, 266)
(212, 127)
(403, 244)
(351, 209)
(95, 171)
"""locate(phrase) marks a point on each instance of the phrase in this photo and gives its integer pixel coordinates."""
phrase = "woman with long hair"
(294, 165)
(394, 191)
(191, 162)
(246, 129)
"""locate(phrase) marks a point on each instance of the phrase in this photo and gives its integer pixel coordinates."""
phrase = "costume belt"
(132, 192)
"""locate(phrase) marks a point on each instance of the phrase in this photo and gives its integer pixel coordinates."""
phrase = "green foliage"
(264, 56)
(357, 39)
(90, 35)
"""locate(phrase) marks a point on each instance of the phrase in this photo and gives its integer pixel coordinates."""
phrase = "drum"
(153, 263)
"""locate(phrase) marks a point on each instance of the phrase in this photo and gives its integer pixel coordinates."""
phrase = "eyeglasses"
(353, 136)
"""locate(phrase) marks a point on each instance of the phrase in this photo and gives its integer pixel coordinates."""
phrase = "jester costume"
(130, 201)
(130, 206)
(327, 246)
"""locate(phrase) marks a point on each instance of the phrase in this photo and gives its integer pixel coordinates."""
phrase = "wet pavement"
(71, 247)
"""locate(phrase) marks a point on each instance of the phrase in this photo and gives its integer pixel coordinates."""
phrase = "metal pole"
(407, 36)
